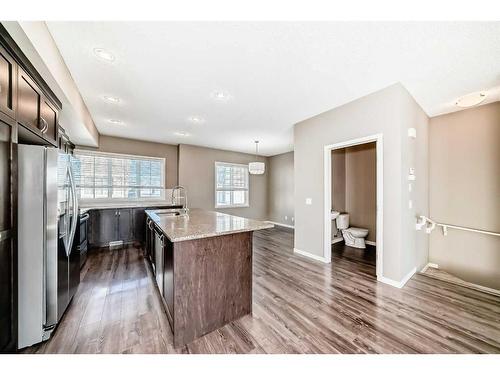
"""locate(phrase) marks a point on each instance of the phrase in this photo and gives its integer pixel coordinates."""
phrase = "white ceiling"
(276, 73)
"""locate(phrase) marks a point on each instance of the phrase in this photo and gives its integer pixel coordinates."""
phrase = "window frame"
(247, 189)
(115, 155)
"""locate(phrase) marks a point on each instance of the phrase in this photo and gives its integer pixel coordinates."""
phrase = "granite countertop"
(85, 207)
(199, 223)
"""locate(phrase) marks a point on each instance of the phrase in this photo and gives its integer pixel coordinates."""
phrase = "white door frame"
(327, 232)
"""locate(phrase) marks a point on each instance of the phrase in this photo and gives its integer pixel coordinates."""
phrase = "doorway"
(364, 201)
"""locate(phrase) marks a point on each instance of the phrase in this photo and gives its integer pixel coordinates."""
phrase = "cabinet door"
(8, 84)
(139, 224)
(125, 225)
(104, 227)
(8, 275)
(48, 120)
(28, 101)
(168, 275)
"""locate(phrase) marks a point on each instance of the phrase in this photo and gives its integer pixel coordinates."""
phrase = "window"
(231, 185)
(115, 176)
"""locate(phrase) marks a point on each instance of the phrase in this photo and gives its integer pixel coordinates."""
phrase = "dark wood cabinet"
(8, 84)
(48, 120)
(34, 111)
(108, 225)
(139, 224)
(121, 224)
(29, 101)
(103, 225)
(125, 230)
(168, 276)
(8, 266)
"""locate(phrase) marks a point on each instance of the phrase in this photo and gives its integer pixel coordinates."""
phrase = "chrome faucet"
(185, 203)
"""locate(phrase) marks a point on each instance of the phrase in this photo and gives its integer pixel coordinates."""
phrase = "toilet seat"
(358, 232)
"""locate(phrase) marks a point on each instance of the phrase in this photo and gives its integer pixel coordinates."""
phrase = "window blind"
(231, 185)
(116, 176)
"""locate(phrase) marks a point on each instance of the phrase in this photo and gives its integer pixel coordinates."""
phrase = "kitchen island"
(202, 262)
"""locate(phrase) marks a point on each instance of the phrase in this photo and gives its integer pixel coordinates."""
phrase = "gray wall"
(197, 174)
(390, 112)
(354, 186)
(338, 180)
(280, 189)
(465, 190)
(135, 147)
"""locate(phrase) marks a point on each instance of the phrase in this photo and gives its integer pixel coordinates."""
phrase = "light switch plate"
(412, 133)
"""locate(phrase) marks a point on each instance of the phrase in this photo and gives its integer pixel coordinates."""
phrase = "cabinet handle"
(119, 213)
(45, 125)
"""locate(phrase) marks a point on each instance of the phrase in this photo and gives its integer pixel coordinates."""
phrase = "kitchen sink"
(169, 212)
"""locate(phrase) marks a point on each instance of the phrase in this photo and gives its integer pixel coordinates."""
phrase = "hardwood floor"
(299, 306)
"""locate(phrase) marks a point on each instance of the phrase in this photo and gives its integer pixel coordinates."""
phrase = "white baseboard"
(397, 284)
(309, 255)
(281, 224)
(429, 265)
(373, 243)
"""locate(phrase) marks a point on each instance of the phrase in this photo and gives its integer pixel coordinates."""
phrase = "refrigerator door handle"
(75, 210)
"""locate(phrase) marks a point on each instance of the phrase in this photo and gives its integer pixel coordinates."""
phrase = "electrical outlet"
(309, 201)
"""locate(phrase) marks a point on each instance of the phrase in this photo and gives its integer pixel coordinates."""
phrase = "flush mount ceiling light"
(111, 99)
(221, 96)
(470, 100)
(182, 134)
(104, 55)
(256, 167)
(116, 122)
(196, 120)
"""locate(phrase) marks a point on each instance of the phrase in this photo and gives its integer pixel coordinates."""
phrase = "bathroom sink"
(335, 214)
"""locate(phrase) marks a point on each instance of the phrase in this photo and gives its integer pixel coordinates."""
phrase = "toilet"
(354, 237)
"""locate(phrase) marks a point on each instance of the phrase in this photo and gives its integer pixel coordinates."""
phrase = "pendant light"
(256, 167)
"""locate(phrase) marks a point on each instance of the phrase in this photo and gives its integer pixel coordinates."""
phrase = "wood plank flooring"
(299, 306)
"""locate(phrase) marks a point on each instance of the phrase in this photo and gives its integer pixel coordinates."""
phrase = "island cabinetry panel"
(212, 284)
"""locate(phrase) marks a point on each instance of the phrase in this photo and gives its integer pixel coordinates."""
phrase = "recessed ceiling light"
(116, 122)
(196, 120)
(111, 99)
(470, 100)
(104, 55)
(182, 134)
(220, 96)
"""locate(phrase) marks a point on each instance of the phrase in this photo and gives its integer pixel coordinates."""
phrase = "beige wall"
(465, 190)
(338, 180)
(280, 189)
(197, 174)
(388, 112)
(134, 147)
(356, 188)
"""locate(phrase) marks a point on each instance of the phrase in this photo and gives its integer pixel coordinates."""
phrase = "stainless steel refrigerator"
(48, 263)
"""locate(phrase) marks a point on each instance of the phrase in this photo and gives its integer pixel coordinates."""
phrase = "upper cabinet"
(8, 81)
(35, 112)
(26, 97)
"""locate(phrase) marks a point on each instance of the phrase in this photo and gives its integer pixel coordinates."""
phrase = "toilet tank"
(343, 221)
